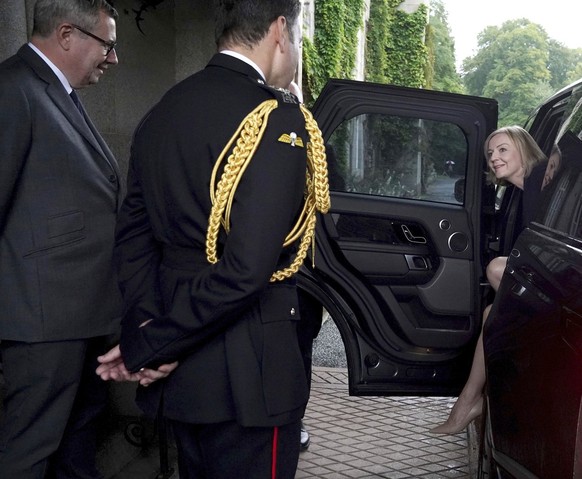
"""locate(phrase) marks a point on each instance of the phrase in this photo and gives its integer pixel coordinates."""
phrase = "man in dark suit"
(59, 194)
(200, 288)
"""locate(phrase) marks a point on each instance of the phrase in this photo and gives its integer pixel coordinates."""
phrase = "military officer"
(219, 215)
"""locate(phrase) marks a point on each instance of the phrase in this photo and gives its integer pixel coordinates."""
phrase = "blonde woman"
(513, 157)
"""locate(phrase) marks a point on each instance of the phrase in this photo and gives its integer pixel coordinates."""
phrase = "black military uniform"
(233, 331)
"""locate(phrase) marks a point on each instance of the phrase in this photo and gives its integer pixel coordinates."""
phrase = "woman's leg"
(470, 402)
(495, 270)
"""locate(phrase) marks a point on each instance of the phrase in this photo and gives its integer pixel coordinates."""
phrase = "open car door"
(400, 258)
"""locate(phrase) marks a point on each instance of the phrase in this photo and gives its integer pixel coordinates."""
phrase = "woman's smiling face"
(504, 159)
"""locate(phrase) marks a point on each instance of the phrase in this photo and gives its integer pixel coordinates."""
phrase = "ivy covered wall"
(332, 53)
(396, 51)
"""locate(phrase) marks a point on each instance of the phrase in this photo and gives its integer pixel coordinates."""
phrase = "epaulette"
(282, 95)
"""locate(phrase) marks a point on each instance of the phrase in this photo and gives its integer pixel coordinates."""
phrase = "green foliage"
(332, 54)
(395, 48)
(429, 67)
(378, 41)
(403, 155)
(407, 54)
(577, 71)
(564, 64)
(519, 66)
(353, 21)
(401, 49)
(441, 73)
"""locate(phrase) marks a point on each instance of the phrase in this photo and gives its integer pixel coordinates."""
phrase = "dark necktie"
(77, 101)
(79, 105)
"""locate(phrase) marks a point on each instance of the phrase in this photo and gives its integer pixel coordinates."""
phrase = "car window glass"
(562, 186)
(564, 191)
(402, 157)
(573, 115)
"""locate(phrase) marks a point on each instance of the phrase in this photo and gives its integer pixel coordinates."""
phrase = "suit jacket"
(59, 190)
(234, 333)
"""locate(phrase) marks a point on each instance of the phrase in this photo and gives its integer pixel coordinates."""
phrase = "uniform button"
(112, 178)
(292, 311)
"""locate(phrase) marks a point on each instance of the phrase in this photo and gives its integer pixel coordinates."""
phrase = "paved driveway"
(377, 437)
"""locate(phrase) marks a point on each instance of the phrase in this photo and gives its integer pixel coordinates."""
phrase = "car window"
(563, 213)
(573, 115)
(395, 156)
(564, 205)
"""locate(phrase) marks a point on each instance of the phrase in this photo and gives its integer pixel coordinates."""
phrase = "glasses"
(108, 45)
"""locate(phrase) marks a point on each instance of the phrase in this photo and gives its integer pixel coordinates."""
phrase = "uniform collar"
(247, 60)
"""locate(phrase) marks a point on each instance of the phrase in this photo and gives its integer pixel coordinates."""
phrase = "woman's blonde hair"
(530, 152)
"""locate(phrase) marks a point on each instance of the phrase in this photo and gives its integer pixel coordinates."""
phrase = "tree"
(565, 64)
(441, 73)
(519, 66)
(577, 71)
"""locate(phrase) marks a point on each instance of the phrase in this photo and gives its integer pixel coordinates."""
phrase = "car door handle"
(417, 263)
(411, 237)
(524, 284)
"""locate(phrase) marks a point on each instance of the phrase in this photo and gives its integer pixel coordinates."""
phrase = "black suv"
(400, 261)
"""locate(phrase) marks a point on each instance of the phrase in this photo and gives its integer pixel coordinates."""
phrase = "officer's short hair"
(246, 22)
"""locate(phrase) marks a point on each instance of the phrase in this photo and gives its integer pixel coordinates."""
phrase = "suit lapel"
(100, 145)
(57, 93)
(60, 98)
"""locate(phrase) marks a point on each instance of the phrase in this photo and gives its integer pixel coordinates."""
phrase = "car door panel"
(533, 345)
(399, 258)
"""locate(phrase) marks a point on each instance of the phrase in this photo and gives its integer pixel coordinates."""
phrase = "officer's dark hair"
(246, 22)
(49, 14)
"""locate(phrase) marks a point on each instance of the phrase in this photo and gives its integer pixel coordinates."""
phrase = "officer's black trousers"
(224, 450)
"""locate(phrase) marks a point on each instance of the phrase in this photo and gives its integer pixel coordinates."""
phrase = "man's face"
(90, 56)
(294, 49)
(286, 63)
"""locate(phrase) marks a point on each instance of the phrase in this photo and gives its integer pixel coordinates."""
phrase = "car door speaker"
(458, 242)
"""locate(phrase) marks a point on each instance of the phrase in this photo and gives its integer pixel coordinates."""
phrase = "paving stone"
(362, 437)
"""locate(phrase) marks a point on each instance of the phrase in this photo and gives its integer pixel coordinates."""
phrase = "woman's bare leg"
(495, 270)
(469, 404)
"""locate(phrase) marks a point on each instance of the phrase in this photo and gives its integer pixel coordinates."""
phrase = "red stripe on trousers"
(274, 463)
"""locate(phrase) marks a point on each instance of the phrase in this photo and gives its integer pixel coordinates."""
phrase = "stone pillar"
(13, 25)
(307, 18)
(360, 66)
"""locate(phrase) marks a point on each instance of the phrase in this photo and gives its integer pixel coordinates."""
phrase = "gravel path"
(328, 348)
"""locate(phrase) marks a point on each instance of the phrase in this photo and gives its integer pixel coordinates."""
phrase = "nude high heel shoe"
(451, 429)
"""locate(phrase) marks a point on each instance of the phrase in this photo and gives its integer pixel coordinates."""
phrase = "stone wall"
(177, 40)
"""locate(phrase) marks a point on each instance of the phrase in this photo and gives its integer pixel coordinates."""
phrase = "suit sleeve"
(267, 203)
(15, 140)
(137, 256)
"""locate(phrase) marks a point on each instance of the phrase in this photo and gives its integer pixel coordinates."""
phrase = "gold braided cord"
(248, 137)
(316, 163)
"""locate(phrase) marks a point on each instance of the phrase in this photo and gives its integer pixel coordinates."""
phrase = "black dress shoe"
(305, 439)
